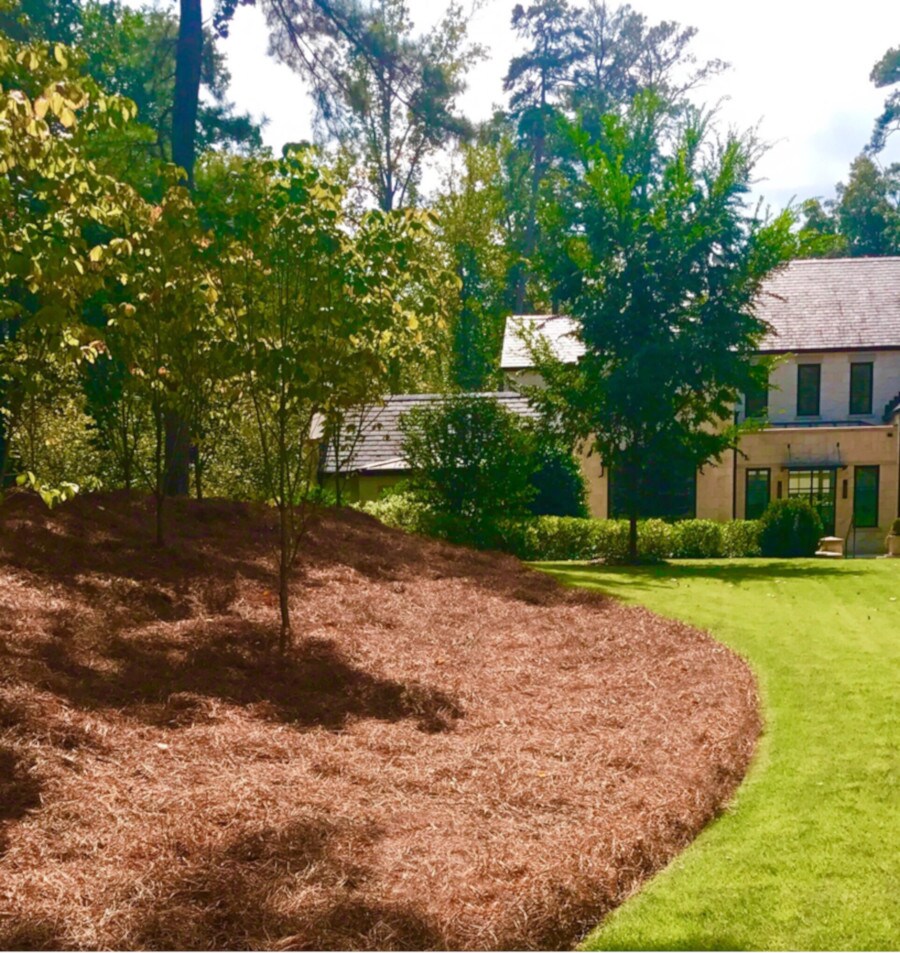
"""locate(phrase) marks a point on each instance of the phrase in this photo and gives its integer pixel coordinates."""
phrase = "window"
(809, 379)
(758, 492)
(756, 400)
(818, 487)
(861, 388)
(865, 497)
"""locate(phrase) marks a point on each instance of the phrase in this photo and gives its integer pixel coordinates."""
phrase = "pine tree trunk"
(188, 58)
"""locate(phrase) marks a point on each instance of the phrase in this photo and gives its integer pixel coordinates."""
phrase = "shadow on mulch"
(19, 791)
(165, 680)
(229, 898)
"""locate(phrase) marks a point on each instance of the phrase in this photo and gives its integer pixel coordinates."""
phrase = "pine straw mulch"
(458, 753)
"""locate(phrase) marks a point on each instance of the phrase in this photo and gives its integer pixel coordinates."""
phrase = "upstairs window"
(756, 400)
(809, 382)
(861, 388)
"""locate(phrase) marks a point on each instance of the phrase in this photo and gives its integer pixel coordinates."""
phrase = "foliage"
(895, 527)
(789, 528)
(864, 219)
(468, 215)
(130, 52)
(381, 91)
(312, 312)
(655, 256)
(886, 72)
(740, 538)
(553, 538)
(470, 458)
(160, 333)
(697, 539)
(59, 209)
(558, 481)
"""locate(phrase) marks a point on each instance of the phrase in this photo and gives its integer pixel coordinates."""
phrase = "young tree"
(313, 313)
(658, 261)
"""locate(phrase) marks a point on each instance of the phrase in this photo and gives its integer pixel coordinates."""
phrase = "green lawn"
(807, 856)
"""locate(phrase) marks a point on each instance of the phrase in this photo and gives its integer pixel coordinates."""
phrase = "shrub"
(558, 482)
(470, 459)
(789, 528)
(697, 539)
(401, 510)
(895, 527)
(740, 538)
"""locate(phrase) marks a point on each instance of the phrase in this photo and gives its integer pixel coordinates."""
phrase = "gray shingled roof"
(833, 304)
(378, 448)
(820, 305)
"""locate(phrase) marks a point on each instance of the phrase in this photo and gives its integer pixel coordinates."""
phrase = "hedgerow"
(552, 538)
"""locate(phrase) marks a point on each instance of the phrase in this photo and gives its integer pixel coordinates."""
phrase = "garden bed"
(457, 753)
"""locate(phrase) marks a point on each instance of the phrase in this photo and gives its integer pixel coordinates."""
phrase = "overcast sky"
(799, 68)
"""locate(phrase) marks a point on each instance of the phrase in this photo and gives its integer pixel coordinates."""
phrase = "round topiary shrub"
(789, 528)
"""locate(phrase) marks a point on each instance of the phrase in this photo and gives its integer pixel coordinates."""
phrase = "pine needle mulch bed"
(457, 753)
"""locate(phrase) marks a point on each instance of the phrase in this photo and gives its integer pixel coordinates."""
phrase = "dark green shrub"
(895, 527)
(558, 481)
(697, 539)
(789, 528)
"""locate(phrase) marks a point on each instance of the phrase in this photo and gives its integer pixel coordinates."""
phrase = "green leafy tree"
(659, 263)
(313, 311)
(57, 208)
(471, 460)
(868, 209)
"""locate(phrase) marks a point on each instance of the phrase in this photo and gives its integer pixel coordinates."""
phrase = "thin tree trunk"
(284, 568)
(159, 489)
(198, 476)
(632, 538)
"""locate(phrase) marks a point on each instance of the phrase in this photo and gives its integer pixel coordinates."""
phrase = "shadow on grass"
(620, 579)
(167, 679)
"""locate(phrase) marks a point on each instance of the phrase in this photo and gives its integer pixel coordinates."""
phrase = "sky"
(799, 69)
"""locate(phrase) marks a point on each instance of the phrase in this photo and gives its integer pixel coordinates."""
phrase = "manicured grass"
(807, 855)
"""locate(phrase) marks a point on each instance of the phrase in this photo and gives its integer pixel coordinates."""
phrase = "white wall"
(835, 385)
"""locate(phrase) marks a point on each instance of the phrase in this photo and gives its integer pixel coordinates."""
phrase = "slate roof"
(378, 448)
(832, 305)
(829, 304)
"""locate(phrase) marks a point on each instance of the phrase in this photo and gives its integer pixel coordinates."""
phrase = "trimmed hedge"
(576, 538)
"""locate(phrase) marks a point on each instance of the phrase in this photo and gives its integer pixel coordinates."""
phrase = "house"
(369, 453)
(831, 410)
